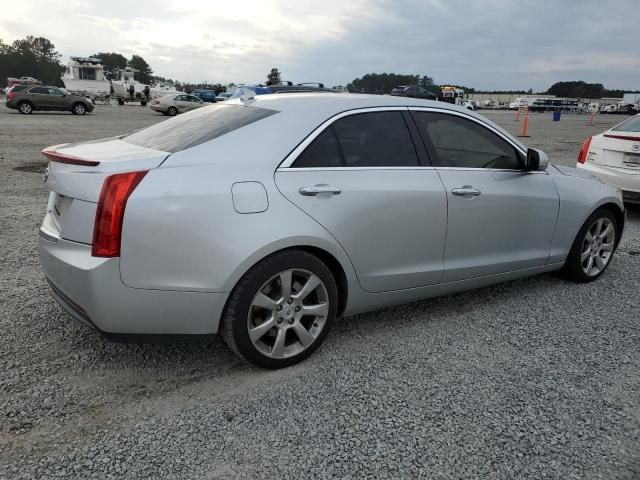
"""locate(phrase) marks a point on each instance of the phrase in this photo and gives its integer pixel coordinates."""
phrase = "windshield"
(199, 126)
(629, 125)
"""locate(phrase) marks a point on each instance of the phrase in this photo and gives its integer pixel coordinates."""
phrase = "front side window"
(462, 143)
(40, 90)
(376, 139)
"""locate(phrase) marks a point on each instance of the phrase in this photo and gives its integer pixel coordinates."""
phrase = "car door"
(181, 103)
(360, 176)
(41, 98)
(500, 217)
(194, 102)
(58, 99)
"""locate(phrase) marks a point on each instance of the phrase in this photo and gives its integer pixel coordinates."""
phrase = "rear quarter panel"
(182, 232)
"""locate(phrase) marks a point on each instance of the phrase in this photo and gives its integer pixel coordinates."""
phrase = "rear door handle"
(466, 191)
(318, 189)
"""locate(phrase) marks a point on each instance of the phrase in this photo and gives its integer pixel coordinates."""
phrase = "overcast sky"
(486, 44)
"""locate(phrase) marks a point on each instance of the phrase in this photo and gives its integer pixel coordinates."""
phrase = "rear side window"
(199, 126)
(376, 139)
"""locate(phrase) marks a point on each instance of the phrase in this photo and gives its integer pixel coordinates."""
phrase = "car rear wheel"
(78, 109)
(173, 111)
(25, 107)
(281, 310)
(593, 248)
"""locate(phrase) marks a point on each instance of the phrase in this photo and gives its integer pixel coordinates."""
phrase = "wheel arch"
(618, 214)
(329, 259)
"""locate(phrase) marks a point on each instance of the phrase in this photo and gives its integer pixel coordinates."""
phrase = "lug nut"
(297, 309)
(290, 301)
(279, 308)
(291, 321)
(279, 320)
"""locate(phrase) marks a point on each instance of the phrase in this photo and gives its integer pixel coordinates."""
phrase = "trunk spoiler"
(69, 159)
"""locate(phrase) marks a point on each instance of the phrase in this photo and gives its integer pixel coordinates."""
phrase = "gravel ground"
(536, 378)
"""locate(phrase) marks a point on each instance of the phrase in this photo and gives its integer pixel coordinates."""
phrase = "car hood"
(573, 172)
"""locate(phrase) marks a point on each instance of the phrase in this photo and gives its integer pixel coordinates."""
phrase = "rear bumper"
(91, 291)
(627, 181)
(631, 197)
(158, 108)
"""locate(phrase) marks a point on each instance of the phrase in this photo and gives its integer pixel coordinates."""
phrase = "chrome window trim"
(473, 119)
(457, 169)
(285, 165)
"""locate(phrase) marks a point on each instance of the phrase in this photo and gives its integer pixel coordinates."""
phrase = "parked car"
(265, 218)
(470, 104)
(174, 104)
(27, 98)
(221, 97)
(205, 95)
(413, 91)
(614, 157)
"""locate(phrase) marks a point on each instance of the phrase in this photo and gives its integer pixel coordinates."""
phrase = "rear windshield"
(199, 126)
(630, 125)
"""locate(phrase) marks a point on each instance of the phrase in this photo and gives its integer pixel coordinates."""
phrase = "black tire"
(78, 108)
(25, 107)
(144, 104)
(120, 101)
(573, 268)
(172, 111)
(234, 325)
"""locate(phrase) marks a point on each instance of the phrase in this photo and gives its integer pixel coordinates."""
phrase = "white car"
(614, 157)
(221, 97)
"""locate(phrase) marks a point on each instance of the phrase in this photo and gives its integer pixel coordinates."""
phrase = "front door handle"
(318, 189)
(466, 191)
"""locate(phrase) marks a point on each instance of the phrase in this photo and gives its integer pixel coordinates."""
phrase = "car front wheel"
(281, 310)
(78, 109)
(593, 247)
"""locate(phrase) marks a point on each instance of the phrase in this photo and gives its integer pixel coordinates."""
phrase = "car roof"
(322, 106)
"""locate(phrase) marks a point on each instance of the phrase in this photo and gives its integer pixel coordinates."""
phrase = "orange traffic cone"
(525, 124)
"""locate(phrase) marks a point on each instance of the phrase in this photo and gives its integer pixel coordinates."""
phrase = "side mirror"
(536, 160)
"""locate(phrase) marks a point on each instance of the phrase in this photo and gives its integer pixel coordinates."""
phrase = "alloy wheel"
(288, 313)
(597, 246)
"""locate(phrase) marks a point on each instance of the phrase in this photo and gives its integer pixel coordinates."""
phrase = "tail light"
(584, 150)
(107, 229)
(156, 102)
(10, 95)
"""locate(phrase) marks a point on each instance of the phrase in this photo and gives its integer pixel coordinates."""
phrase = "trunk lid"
(75, 176)
(619, 149)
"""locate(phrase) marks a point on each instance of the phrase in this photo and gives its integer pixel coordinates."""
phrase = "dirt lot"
(537, 378)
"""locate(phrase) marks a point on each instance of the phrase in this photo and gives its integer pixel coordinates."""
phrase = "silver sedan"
(174, 104)
(263, 219)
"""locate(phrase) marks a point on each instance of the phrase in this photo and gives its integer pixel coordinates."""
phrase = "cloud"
(490, 44)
